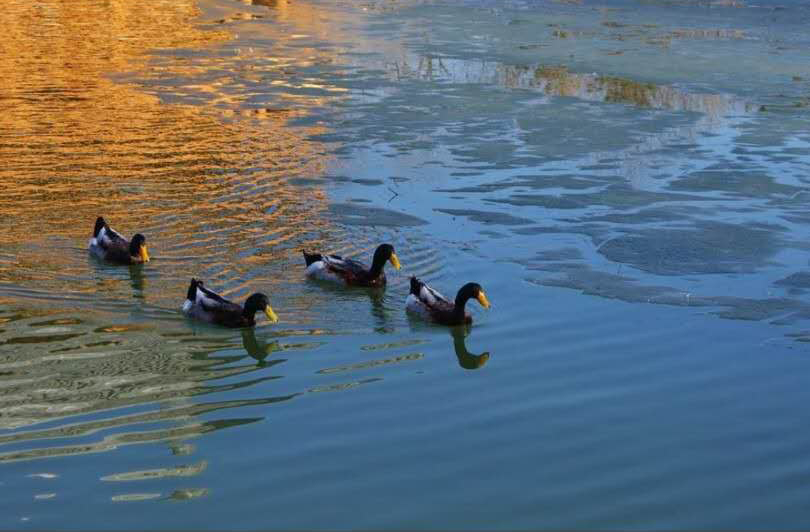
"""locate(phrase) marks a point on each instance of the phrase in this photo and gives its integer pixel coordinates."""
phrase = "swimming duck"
(205, 305)
(345, 271)
(108, 245)
(432, 306)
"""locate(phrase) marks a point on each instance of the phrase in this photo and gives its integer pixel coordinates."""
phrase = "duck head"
(383, 253)
(137, 248)
(257, 302)
(471, 291)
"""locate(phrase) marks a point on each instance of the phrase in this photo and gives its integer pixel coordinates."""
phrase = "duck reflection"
(108, 276)
(382, 322)
(260, 349)
(466, 359)
(376, 296)
(136, 279)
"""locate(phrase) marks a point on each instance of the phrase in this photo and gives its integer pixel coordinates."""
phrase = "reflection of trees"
(556, 80)
(269, 3)
(428, 68)
(714, 112)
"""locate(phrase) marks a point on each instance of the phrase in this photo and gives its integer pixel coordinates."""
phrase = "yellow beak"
(395, 261)
(271, 316)
(482, 298)
(144, 253)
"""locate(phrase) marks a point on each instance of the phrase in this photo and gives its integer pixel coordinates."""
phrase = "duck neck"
(461, 302)
(249, 313)
(377, 266)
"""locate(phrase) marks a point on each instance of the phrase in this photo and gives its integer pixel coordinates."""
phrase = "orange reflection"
(76, 144)
(214, 200)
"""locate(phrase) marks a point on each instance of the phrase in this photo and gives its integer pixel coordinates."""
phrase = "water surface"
(627, 180)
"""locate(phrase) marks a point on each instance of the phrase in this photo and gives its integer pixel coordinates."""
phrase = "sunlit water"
(627, 180)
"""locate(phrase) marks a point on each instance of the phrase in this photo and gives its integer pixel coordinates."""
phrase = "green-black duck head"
(383, 253)
(257, 302)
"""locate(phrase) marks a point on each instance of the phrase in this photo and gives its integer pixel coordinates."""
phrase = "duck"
(350, 272)
(204, 305)
(110, 246)
(430, 305)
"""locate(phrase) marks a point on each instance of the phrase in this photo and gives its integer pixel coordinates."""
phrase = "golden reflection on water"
(213, 199)
(77, 145)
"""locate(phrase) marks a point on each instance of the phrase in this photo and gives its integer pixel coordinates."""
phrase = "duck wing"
(346, 268)
(213, 302)
(430, 297)
(108, 245)
(108, 238)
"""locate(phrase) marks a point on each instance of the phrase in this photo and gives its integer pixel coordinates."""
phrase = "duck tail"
(100, 224)
(191, 295)
(311, 257)
(416, 285)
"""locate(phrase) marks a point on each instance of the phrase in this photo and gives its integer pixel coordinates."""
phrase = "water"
(628, 181)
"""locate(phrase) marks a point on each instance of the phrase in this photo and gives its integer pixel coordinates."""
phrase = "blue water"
(627, 182)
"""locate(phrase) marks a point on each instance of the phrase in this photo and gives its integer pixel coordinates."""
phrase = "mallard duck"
(432, 306)
(108, 245)
(205, 305)
(345, 271)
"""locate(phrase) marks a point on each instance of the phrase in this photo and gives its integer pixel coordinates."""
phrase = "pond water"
(627, 180)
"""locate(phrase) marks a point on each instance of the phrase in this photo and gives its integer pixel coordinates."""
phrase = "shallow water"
(628, 181)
